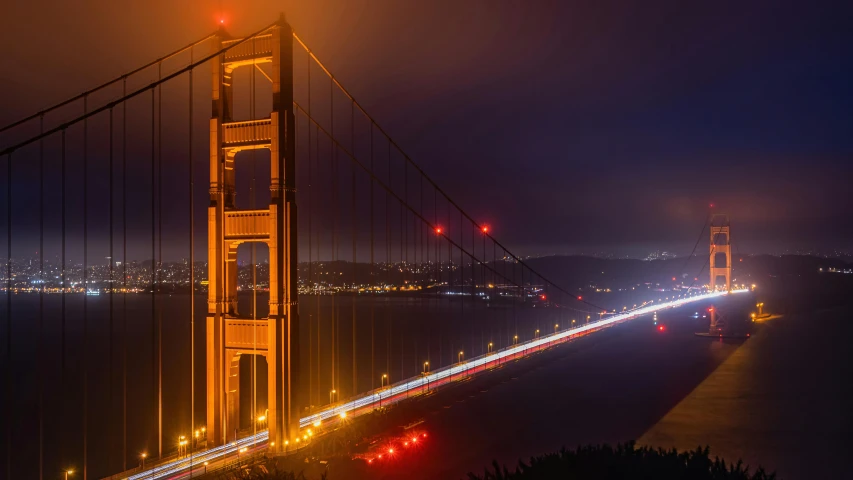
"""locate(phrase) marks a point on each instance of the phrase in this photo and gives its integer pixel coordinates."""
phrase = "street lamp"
(426, 374)
(142, 460)
(490, 348)
(515, 340)
(205, 468)
(330, 395)
(182, 445)
(68, 472)
(381, 386)
(556, 326)
(460, 356)
(536, 333)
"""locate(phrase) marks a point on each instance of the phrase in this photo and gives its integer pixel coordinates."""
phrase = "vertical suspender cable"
(192, 249)
(9, 314)
(124, 273)
(154, 329)
(254, 397)
(484, 289)
(421, 268)
(404, 240)
(112, 286)
(354, 268)
(157, 265)
(421, 264)
(310, 253)
(85, 289)
(515, 298)
(370, 283)
(462, 283)
(437, 273)
(402, 279)
(336, 205)
(319, 317)
(41, 300)
(388, 266)
(62, 274)
(450, 282)
(474, 289)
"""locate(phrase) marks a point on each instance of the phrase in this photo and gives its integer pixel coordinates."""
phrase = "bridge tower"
(721, 243)
(228, 335)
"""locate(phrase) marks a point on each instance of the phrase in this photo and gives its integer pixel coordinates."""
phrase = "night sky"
(567, 126)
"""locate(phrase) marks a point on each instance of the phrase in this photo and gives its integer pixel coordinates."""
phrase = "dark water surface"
(783, 400)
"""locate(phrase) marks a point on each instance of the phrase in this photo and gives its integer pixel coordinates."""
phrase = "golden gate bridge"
(379, 288)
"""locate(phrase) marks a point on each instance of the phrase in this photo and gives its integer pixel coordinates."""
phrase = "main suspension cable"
(122, 78)
(127, 96)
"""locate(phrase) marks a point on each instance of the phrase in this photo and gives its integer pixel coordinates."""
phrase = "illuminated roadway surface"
(217, 456)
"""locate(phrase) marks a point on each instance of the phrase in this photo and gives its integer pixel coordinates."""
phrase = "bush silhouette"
(624, 461)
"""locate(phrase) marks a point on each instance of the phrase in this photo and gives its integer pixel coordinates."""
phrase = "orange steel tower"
(228, 335)
(721, 243)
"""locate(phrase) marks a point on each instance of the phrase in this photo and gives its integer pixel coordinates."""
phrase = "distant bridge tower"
(721, 244)
(228, 335)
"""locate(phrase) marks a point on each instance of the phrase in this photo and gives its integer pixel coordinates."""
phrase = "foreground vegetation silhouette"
(624, 461)
(273, 474)
(589, 462)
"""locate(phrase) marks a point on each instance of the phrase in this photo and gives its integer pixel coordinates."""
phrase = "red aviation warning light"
(438, 230)
(661, 328)
(485, 229)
